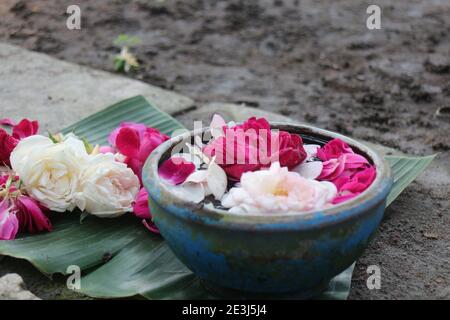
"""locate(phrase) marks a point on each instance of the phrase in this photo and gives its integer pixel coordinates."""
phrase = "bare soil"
(312, 60)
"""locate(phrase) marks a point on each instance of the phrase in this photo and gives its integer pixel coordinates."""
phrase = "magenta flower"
(9, 224)
(346, 164)
(7, 145)
(138, 127)
(176, 170)
(31, 216)
(142, 211)
(19, 212)
(8, 142)
(351, 186)
(333, 150)
(351, 173)
(252, 146)
(7, 122)
(252, 123)
(339, 160)
(25, 128)
(290, 149)
(136, 142)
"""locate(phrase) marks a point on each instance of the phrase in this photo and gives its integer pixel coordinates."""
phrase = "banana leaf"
(119, 257)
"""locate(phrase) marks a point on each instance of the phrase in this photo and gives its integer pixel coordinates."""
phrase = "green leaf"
(83, 216)
(119, 257)
(405, 170)
(126, 40)
(52, 137)
(89, 147)
(119, 64)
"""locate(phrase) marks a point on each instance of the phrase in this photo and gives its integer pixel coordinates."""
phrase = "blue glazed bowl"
(270, 254)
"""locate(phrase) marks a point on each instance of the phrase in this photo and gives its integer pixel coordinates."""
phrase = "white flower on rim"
(50, 171)
(107, 188)
(277, 190)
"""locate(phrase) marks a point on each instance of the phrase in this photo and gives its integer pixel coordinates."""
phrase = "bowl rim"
(158, 189)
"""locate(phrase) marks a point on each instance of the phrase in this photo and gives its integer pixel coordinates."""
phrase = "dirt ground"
(312, 60)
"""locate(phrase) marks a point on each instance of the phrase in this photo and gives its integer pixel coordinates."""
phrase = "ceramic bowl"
(278, 253)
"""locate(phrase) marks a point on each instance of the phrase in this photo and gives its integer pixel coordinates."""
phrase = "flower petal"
(193, 192)
(139, 127)
(9, 224)
(175, 170)
(140, 207)
(128, 142)
(7, 145)
(309, 170)
(216, 126)
(216, 180)
(198, 176)
(333, 150)
(25, 128)
(31, 216)
(107, 149)
(311, 150)
(7, 122)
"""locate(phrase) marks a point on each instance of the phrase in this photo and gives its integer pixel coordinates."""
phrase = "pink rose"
(347, 164)
(142, 211)
(339, 160)
(333, 150)
(136, 142)
(351, 186)
(351, 173)
(252, 146)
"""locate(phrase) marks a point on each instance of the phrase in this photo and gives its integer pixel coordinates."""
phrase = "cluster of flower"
(270, 171)
(60, 173)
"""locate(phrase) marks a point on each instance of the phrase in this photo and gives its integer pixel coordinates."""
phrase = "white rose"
(50, 171)
(107, 188)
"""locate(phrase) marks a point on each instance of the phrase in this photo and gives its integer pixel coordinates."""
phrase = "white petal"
(216, 180)
(193, 192)
(309, 170)
(217, 124)
(228, 200)
(196, 151)
(198, 176)
(311, 150)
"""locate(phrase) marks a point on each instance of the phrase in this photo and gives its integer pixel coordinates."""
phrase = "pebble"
(11, 288)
